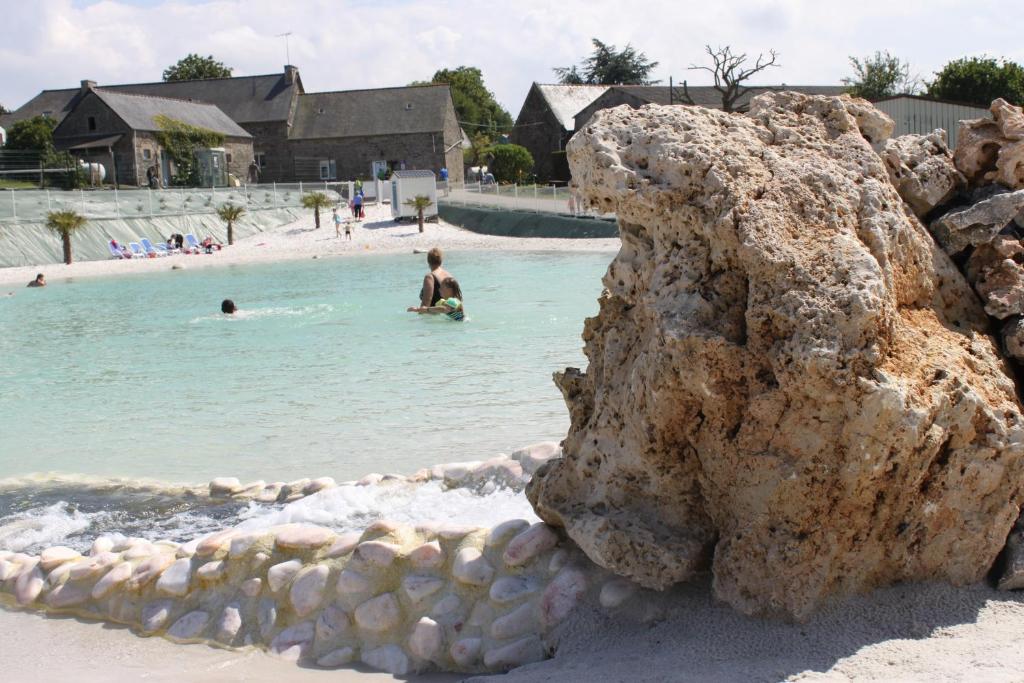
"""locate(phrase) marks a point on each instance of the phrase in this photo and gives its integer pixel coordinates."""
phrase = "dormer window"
(408, 106)
(92, 123)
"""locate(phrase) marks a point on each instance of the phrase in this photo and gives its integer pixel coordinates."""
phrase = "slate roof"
(381, 111)
(246, 99)
(565, 101)
(140, 112)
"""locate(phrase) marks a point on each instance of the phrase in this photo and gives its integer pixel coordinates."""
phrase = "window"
(261, 160)
(147, 154)
(227, 157)
(328, 169)
(92, 123)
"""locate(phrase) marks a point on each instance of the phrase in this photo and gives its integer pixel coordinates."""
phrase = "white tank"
(94, 171)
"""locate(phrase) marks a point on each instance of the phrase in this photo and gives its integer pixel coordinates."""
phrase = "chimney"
(87, 86)
(291, 74)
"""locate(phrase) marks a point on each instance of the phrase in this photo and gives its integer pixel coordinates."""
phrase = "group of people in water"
(439, 295)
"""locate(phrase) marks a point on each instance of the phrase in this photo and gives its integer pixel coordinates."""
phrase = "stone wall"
(271, 138)
(354, 156)
(539, 131)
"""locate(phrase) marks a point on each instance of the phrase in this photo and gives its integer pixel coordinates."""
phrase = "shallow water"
(323, 373)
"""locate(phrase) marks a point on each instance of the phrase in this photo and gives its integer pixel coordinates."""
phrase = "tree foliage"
(65, 223)
(35, 133)
(475, 105)
(4, 110)
(510, 163)
(729, 74)
(609, 66)
(979, 80)
(421, 203)
(316, 201)
(229, 213)
(881, 75)
(192, 67)
(479, 151)
(181, 141)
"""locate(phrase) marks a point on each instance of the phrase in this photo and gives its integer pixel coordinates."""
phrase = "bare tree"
(729, 74)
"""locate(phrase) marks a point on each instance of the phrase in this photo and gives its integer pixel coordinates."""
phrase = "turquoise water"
(322, 374)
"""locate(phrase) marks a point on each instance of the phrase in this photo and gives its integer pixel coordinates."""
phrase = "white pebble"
(111, 580)
(212, 571)
(529, 544)
(472, 568)
(225, 486)
(175, 580)
(378, 553)
(229, 624)
(378, 614)
(427, 638)
(103, 544)
(389, 658)
(189, 626)
(511, 588)
(503, 532)
(466, 652)
(517, 622)
(251, 587)
(332, 624)
(29, 585)
(281, 574)
(524, 651)
(343, 545)
(308, 589)
(427, 556)
(266, 617)
(300, 635)
(418, 587)
(446, 606)
(343, 655)
(616, 592)
(351, 582)
(242, 543)
(561, 596)
(51, 558)
(154, 615)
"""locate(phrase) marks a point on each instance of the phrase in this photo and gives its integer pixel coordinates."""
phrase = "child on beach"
(450, 304)
(337, 222)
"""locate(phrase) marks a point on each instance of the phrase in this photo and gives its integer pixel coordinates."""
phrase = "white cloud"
(372, 43)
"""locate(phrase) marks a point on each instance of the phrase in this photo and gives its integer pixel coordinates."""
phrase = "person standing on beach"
(337, 222)
(430, 293)
(357, 205)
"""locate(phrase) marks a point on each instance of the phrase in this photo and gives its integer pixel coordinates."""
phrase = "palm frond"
(230, 212)
(65, 222)
(316, 200)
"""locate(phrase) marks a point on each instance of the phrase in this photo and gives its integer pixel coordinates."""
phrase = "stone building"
(354, 133)
(545, 123)
(120, 130)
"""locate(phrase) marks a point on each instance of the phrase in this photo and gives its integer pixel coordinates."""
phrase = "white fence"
(530, 198)
(33, 205)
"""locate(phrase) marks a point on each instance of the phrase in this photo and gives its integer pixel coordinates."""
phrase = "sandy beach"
(299, 240)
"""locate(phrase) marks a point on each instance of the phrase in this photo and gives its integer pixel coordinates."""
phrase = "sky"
(347, 44)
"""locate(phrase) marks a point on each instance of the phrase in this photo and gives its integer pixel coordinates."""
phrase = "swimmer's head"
(228, 306)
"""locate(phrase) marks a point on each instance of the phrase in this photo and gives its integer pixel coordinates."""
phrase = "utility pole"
(287, 52)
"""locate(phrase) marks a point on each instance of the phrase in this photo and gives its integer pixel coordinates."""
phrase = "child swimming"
(450, 303)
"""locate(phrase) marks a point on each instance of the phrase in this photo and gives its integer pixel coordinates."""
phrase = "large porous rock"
(979, 223)
(788, 381)
(992, 150)
(921, 168)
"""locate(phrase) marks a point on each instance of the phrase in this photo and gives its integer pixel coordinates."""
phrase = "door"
(378, 167)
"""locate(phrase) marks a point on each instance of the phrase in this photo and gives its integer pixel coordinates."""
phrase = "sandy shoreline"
(377, 234)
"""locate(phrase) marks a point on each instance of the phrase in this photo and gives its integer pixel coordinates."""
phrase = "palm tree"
(229, 213)
(316, 201)
(64, 223)
(421, 203)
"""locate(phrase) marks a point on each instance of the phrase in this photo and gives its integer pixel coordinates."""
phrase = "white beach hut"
(406, 185)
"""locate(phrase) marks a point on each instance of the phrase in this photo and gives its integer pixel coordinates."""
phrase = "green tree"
(511, 163)
(479, 151)
(979, 80)
(65, 223)
(35, 133)
(881, 75)
(4, 110)
(608, 66)
(229, 213)
(316, 201)
(475, 105)
(421, 203)
(192, 67)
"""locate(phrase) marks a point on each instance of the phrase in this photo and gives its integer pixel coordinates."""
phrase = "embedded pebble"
(317, 485)
(270, 492)
(529, 544)
(517, 622)
(150, 569)
(482, 614)
(93, 566)
(511, 588)
(370, 479)
(343, 655)
(453, 532)
(378, 553)
(249, 490)
(524, 651)
(102, 544)
(351, 582)
(189, 626)
(501, 534)
(213, 543)
(8, 569)
(427, 638)
(266, 617)
(257, 561)
(382, 527)
(68, 595)
(51, 558)
(229, 624)
(308, 589)
(559, 558)
(155, 614)
(561, 595)
(532, 457)
(242, 543)
(446, 606)
(225, 486)
(212, 571)
(418, 587)
(616, 592)
(58, 575)
(471, 567)
(298, 636)
(296, 537)
(281, 574)
(111, 580)
(332, 623)
(251, 587)
(175, 579)
(378, 614)
(427, 555)
(187, 549)
(343, 545)
(389, 658)
(466, 652)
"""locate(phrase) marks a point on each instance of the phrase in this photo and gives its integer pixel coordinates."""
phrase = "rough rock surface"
(979, 223)
(787, 378)
(992, 150)
(921, 168)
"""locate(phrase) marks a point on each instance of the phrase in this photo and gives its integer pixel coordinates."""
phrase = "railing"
(530, 198)
(33, 205)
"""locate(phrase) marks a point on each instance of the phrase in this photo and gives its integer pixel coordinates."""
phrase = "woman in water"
(450, 303)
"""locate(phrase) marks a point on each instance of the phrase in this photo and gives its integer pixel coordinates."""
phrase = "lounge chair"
(137, 250)
(150, 249)
(193, 243)
(114, 251)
